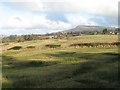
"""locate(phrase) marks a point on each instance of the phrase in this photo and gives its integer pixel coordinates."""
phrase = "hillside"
(35, 63)
(83, 28)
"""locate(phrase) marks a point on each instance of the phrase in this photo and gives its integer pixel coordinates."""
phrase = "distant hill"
(83, 28)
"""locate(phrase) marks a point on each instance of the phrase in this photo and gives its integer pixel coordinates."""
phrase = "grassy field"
(62, 67)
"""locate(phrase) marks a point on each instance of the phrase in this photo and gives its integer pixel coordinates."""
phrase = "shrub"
(15, 48)
(30, 46)
(41, 63)
(52, 45)
(36, 63)
(83, 44)
(116, 43)
(95, 44)
(6, 44)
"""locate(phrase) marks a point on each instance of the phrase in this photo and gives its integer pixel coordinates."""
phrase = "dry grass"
(66, 42)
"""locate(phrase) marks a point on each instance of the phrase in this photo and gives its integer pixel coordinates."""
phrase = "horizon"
(3, 35)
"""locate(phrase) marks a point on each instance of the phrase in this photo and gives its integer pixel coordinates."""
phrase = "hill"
(83, 28)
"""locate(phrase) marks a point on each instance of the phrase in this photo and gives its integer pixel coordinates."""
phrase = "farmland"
(57, 63)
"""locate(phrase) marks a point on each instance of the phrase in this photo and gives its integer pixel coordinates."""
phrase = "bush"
(41, 63)
(95, 44)
(52, 46)
(15, 48)
(31, 47)
(83, 44)
(36, 63)
(116, 43)
(6, 44)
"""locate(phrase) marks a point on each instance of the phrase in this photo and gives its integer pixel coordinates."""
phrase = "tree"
(105, 31)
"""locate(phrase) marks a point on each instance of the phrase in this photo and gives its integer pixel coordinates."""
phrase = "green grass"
(62, 67)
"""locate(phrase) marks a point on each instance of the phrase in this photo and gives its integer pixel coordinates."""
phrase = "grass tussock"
(95, 44)
(53, 45)
(30, 47)
(15, 48)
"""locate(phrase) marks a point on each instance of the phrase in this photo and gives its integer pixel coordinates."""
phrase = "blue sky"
(45, 16)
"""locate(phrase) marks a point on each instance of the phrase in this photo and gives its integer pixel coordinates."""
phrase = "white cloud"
(21, 20)
(80, 20)
(33, 22)
(33, 6)
(12, 22)
(100, 7)
(41, 21)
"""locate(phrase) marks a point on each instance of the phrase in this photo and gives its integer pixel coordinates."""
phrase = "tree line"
(58, 35)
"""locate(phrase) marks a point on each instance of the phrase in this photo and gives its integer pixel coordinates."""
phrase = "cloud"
(16, 21)
(33, 16)
(80, 20)
(33, 6)
(105, 21)
(34, 22)
(98, 7)
(22, 24)
(17, 18)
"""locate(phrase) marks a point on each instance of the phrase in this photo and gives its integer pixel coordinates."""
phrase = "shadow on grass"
(11, 62)
(99, 71)
(105, 57)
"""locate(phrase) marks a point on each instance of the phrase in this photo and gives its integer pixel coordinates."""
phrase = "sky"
(46, 16)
